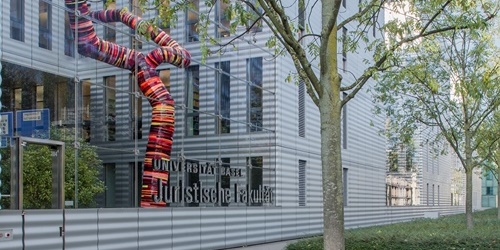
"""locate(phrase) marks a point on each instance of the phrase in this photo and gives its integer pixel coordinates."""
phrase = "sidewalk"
(280, 245)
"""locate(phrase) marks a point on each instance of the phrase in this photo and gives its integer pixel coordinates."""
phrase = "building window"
(489, 175)
(427, 191)
(165, 26)
(254, 93)
(489, 190)
(134, 183)
(86, 110)
(345, 184)
(225, 180)
(222, 97)
(302, 20)
(110, 107)
(192, 20)
(69, 38)
(302, 183)
(374, 30)
(162, 24)
(25, 88)
(344, 3)
(165, 78)
(59, 98)
(17, 20)
(254, 175)
(135, 41)
(302, 109)
(110, 33)
(45, 25)
(193, 100)
(344, 48)
(136, 110)
(344, 123)
(222, 19)
(39, 97)
(433, 197)
(427, 156)
(110, 183)
(134, 6)
(255, 18)
(109, 28)
(18, 98)
(193, 181)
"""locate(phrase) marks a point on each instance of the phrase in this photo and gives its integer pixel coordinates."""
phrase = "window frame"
(192, 21)
(17, 21)
(255, 175)
(110, 108)
(222, 97)
(45, 33)
(191, 111)
(255, 113)
(220, 19)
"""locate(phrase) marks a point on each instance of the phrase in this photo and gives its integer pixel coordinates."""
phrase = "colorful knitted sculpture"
(162, 121)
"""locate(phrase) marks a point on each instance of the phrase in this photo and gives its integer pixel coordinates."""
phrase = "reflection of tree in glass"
(37, 173)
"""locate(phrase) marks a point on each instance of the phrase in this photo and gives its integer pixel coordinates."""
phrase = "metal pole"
(77, 81)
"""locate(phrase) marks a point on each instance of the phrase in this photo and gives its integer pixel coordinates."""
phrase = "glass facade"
(220, 142)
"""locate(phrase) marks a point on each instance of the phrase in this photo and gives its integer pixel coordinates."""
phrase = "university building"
(240, 127)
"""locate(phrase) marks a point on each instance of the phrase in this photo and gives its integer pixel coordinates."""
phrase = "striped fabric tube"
(161, 132)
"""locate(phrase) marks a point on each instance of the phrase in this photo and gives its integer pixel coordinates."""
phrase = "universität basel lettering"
(200, 192)
(195, 168)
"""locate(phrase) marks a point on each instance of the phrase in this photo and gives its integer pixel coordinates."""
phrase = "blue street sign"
(6, 128)
(33, 123)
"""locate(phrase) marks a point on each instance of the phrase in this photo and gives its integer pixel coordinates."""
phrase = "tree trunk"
(333, 202)
(330, 115)
(468, 198)
(469, 167)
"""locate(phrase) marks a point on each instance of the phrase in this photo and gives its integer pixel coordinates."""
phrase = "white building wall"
(279, 143)
(434, 168)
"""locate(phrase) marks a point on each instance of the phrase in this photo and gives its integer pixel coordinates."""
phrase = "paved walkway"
(280, 245)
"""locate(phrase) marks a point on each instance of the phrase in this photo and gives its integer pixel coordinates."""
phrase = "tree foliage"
(448, 81)
(37, 173)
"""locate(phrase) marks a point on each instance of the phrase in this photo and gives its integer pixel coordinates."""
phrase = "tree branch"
(282, 30)
(423, 33)
(357, 15)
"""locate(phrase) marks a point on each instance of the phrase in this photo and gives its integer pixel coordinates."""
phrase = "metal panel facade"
(279, 144)
(181, 228)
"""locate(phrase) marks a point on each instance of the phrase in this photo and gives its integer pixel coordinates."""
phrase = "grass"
(447, 232)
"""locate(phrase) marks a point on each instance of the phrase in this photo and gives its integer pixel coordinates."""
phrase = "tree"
(448, 81)
(37, 173)
(309, 48)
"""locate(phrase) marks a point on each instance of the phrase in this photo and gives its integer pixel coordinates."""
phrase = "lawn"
(447, 232)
